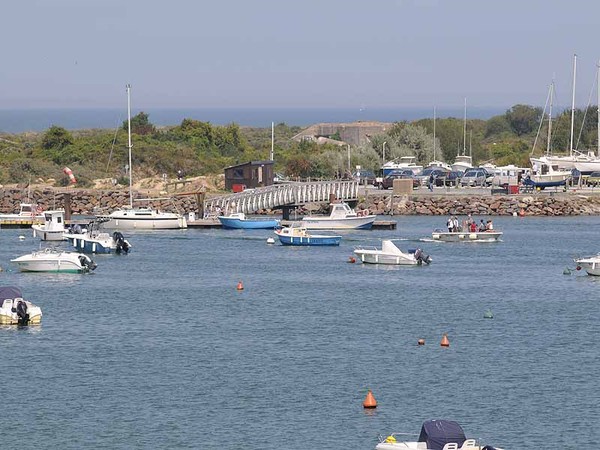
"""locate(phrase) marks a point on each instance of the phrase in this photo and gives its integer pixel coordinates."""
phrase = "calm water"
(20, 120)
(157, 349)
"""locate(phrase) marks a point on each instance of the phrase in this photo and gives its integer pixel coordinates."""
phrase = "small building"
(252, 174)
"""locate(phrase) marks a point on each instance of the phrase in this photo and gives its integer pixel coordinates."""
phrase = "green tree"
(140, 124)
(523, 119)
(497, 126)
(56, 138)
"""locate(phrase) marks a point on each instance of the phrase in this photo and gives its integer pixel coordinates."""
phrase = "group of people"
(469, 224)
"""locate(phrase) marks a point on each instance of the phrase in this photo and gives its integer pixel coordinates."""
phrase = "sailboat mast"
(465, 130)
(129, 145)
(272, 140)
(573, 103)
(550, 119)
(598, 110)
(434, 133)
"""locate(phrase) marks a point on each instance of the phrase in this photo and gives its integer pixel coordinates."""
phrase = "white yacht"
(404, 162)
(341, 217)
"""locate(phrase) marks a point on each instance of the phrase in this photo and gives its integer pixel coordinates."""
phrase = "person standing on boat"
(450, 224)
(482, 226)
(489, 226)
(455, 225)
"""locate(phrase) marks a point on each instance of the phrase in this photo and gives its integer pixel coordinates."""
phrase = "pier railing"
(278, 195)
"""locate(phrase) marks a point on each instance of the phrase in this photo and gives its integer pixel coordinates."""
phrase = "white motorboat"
(93, 240)
(130, 218)
(435, 435)
(341, 217)
(391, 254)
(590, 264)
(466, 236)
(405, 162)
(52, 260)
(14, 310)
(53, 227)
(27, 211)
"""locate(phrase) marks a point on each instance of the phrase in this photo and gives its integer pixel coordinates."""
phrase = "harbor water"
(158, 349)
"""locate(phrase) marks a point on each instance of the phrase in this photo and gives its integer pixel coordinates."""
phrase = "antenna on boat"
(573, 103)
(129, 145)
(598, 110)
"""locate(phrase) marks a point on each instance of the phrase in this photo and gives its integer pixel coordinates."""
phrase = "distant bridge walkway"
(281, 195)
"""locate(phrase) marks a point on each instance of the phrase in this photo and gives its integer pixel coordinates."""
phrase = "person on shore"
(430, 183)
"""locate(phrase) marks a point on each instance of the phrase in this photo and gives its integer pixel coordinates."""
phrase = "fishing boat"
(14, 310)
(140, 218)
(590, 264)
(466, 236)
(53, 260)
(93, 240)
(53, 227)
(295, 235)
(341, 217)
(435, 435)
(240, 221)
(27, 211)
(392, 255)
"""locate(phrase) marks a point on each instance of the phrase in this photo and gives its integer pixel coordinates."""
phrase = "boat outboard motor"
(122, 244)
(22, 313)
(87, 263)
(422, 257)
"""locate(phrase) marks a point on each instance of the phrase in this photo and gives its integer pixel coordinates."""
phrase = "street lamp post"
(383, 152)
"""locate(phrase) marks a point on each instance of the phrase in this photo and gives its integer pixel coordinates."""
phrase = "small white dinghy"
(52, 260)
(14, 310)
(391, 254)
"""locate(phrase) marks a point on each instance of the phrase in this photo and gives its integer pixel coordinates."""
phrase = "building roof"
(252, 163)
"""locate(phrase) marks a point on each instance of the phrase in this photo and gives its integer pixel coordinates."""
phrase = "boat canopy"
(10, 292)
(437, 433)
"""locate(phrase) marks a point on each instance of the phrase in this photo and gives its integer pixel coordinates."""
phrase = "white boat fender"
(21, 238)
(270, 240)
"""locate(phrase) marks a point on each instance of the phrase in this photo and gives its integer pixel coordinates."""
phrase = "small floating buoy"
(567, 271)
(240, 286)
(352, 260)
(370, 401)
(421, 342)
(488, 314)
(445, 342)
(578, 268)
(21, 238)
(270, 240)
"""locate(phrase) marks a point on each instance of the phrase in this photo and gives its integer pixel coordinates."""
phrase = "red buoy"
(421, 342)
(370, 401)
(240, 286)
(352, 260)
(445, 342)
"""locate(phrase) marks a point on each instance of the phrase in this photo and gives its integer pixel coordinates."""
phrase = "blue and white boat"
(93, 240)
(300, 236)
(239, 220)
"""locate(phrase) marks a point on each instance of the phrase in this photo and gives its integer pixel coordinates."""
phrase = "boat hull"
(86, 245)
(376, 257)
(483, 236)
(171, 222)
(57, 262)
(248, 224)
(45, 235)
(348, 223)
(310, 240)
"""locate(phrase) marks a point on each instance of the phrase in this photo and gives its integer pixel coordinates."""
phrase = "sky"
(296, 54)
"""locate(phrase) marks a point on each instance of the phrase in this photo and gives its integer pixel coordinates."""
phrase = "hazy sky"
(309, 53)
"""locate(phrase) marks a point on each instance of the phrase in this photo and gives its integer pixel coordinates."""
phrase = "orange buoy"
(421, 342)
(445, 342)
(240, 286)
(370, 401)
(352, 259)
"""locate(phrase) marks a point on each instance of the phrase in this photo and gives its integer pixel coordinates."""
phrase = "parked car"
(593, 179)
(437, 172)
(388, 180)
(476, 177)
(364, 176)
(451, 178)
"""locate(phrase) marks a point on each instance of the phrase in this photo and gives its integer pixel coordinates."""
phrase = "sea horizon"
(39, 119)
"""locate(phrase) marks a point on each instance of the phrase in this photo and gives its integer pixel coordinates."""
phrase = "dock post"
(67, 205)
(200, 204)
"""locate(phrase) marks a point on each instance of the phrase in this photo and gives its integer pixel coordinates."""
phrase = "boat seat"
(470, 444)
(451, 446)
